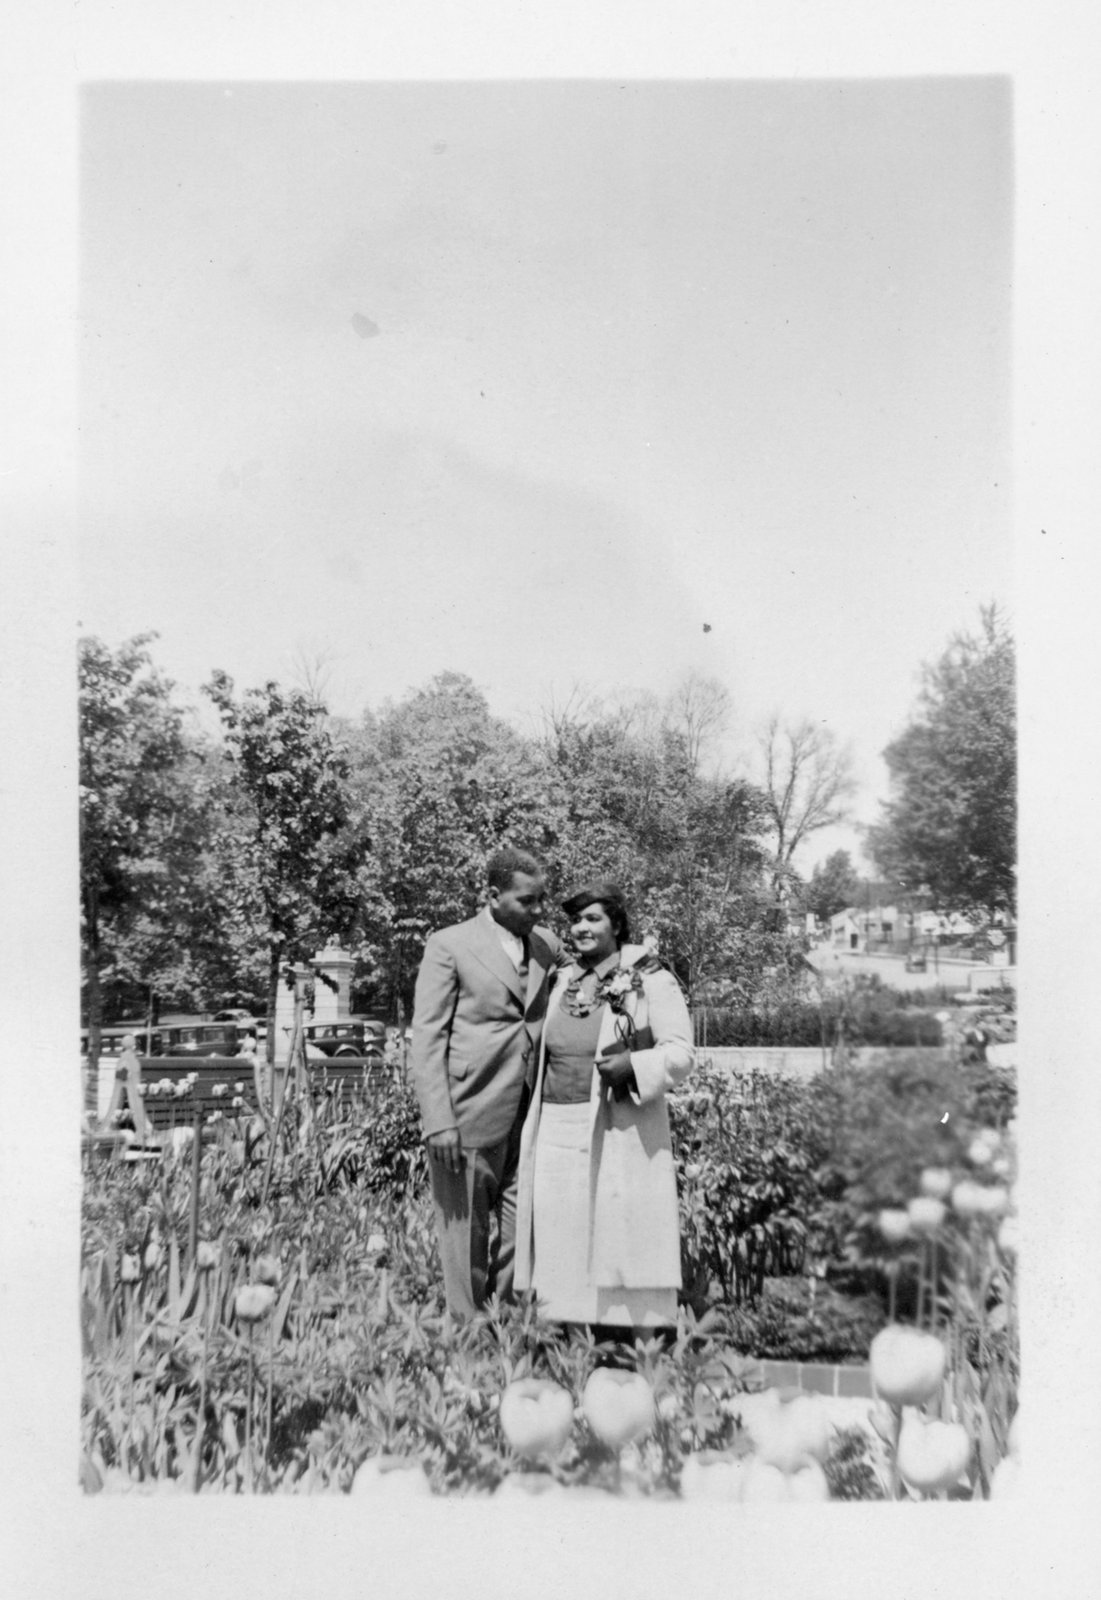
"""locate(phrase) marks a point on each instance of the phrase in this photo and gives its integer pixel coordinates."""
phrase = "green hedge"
(876, 1020)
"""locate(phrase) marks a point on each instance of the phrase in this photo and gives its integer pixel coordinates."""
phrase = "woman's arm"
(671, 1057)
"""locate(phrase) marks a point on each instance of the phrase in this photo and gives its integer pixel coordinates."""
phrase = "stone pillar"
(333, 1005)
(284, 1018)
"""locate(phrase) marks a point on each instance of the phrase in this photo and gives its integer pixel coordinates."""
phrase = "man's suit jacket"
(475, 1036)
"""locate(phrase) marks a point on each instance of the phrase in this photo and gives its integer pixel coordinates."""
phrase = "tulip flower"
(984, 1147)
(536, 1417)
(268, 1270)
(793, 1433)
(967, 1198)
(376, 1244)
(711, 1476)
(926, 1213)
(206, 1256)
(152, 1255)
(894, 1225)
(764, 1484)
(808, 1483)
(618, 1406)
(936, 1181)
(932, 1455)
(907, 1366)
(993, 1199)
(1006, 1481)
(253, 1302)
(129, 1269)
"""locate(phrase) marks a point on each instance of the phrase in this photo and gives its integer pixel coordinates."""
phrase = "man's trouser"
(477, 1258)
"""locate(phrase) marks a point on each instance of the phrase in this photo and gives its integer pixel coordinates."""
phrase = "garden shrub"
(793, 1322)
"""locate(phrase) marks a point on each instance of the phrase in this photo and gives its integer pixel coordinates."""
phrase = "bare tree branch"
(808, 784)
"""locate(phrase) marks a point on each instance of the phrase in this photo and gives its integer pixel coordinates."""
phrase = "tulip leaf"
(173, 1277)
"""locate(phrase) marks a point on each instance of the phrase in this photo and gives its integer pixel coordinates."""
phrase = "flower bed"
(302, 1346)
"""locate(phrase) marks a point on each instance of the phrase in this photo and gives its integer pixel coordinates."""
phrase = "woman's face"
(592, 933)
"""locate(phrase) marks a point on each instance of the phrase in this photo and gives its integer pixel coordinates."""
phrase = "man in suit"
(478, 1012)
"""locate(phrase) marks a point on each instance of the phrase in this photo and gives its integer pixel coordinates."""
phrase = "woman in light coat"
(597, 1235)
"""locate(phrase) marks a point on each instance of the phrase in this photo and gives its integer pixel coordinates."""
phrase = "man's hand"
(446, 1148)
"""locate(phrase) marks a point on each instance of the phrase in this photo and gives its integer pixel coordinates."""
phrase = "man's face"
(519, 907)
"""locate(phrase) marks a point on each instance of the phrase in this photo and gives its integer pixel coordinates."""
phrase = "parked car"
(352, 1036)
(207, 1039)
(148, 1043)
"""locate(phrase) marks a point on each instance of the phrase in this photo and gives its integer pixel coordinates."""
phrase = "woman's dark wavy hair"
(608, 895)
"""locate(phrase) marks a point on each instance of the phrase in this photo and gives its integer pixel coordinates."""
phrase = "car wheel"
(347, 1050)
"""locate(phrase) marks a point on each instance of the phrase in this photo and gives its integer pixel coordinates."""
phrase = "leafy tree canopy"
(951, 823)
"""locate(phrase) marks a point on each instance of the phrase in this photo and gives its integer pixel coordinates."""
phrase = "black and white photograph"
(546, 871)
(548, 789)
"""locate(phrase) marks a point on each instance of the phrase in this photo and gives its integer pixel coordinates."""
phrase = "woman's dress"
(561, 1197)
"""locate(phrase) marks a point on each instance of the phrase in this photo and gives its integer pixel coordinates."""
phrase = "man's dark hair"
(504, 864)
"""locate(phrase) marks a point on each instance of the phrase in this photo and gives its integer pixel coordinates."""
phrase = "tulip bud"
(894, 1225)
(967, 1198)
(129, 1269)
(253, 1302)
(907, 1366)
(993, 1199)
(536, 1417)
(618, 1406)
(206, 1256)
(936, 1181)
(152, 1255)
(926, 1213)
(932, 1455)
(268, 1270)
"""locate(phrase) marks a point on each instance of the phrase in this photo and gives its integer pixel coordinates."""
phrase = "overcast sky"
(531, 381)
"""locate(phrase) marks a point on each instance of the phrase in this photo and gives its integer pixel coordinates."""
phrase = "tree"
(141, 827)
(808, 783)
(283, 848)
(438, 783)
(699, 709)
(631, 803)
(833, 886)
(950, 825)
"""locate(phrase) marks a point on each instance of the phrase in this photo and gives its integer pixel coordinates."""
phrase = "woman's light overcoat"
(634, 1238)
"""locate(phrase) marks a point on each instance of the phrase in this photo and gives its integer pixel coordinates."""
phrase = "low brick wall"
(802, 1062)
(816, 1377)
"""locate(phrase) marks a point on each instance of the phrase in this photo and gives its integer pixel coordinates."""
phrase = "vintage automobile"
(205, 1039)
(351, 1036)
